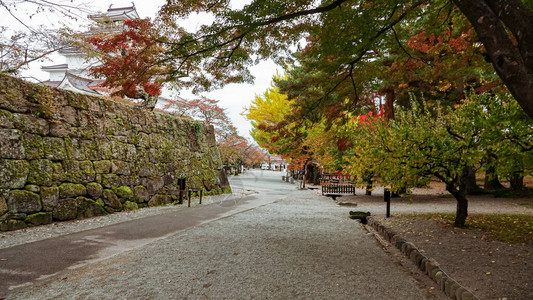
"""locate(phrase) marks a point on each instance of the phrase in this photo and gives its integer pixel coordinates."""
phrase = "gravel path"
(56, 229)
(435, 200)
(300, 246)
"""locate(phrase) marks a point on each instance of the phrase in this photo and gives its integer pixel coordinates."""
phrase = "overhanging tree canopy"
(220, 53)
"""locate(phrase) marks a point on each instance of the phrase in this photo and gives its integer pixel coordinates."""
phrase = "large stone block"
(153, 185)
(74, 149)
(49, 197)
(157, 200)
(45, 172)
(33, 146)
(130, 180)
(90, 149)
(11, 144)
(141, 194)
(31, 124)
(124, 193)
(120, 167)
(110, 181)
(3, 205)
(88, 208)
(13, 173)
(71, 190)
(102, 166)
(20, 201)
(6, 119)
(128, 205)
(60, 129)
(111, 200)
(40, 218)
(69, 115)
(147, 169)
(66, 209)
(9, 225)
(105, 148)
(143, 140)
(11, 97)
(79, 171)
(95, 190)
(54, 148)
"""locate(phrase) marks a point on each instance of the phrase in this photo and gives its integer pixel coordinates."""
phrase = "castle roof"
(74, 82)
(55, 67)
(116, 14)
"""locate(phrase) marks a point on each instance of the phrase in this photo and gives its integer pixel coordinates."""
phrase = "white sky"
(233, 97)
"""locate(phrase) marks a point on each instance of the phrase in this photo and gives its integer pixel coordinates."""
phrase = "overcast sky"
(233, 97)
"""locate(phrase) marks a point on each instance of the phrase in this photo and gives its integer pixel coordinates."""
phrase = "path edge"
(429, 266)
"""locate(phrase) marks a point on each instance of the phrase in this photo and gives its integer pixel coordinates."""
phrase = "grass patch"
(514, 229)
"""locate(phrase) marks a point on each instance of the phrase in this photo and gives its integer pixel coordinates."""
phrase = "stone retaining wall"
(65, 155)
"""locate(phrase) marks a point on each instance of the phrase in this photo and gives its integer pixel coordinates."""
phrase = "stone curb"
(427, 265)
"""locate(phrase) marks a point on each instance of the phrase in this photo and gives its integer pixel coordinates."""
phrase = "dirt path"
(490, 269)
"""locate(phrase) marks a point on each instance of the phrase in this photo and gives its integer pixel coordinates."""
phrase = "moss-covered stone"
(141, 194)
(111, 200)
(130, 206)
(70, 190)
(102, 166)
(33, 146)
(9, 225)
(94, 190)
(66, 209)
(40, 218)
(106, 150)
(20, 201)
(74, 149)
(110, 180)
(6, 119)
(158, 200)
(120, 167)
(153, 185)
(130, 180)
(41, 172)
(31, 124)
(87, 172)
(88, 208)
(90, 149)
(49, 197)
(100, 202)
(146, 169)
(60, 130)
(32, 188)
(54, 148)
(3, 205)
(11, 144)
(13, 173)
(124, 193)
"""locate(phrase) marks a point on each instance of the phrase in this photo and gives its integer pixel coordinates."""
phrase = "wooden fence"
(338, 189)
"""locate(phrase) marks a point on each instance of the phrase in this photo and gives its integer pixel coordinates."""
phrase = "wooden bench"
(337, 190)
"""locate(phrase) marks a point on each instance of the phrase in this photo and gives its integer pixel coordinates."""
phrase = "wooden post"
(386, 195)
(201, 193)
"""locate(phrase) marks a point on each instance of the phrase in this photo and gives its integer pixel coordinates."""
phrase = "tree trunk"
(517, 181)
(149, 101)
(492, 19)
(492, 182)
(462, 205)
(470, 180)
(368, 191)
(388, 112)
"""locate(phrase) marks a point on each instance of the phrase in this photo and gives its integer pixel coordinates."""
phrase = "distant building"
(74, 74)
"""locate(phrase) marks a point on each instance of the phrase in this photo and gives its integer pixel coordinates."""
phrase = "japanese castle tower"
(74, 74)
